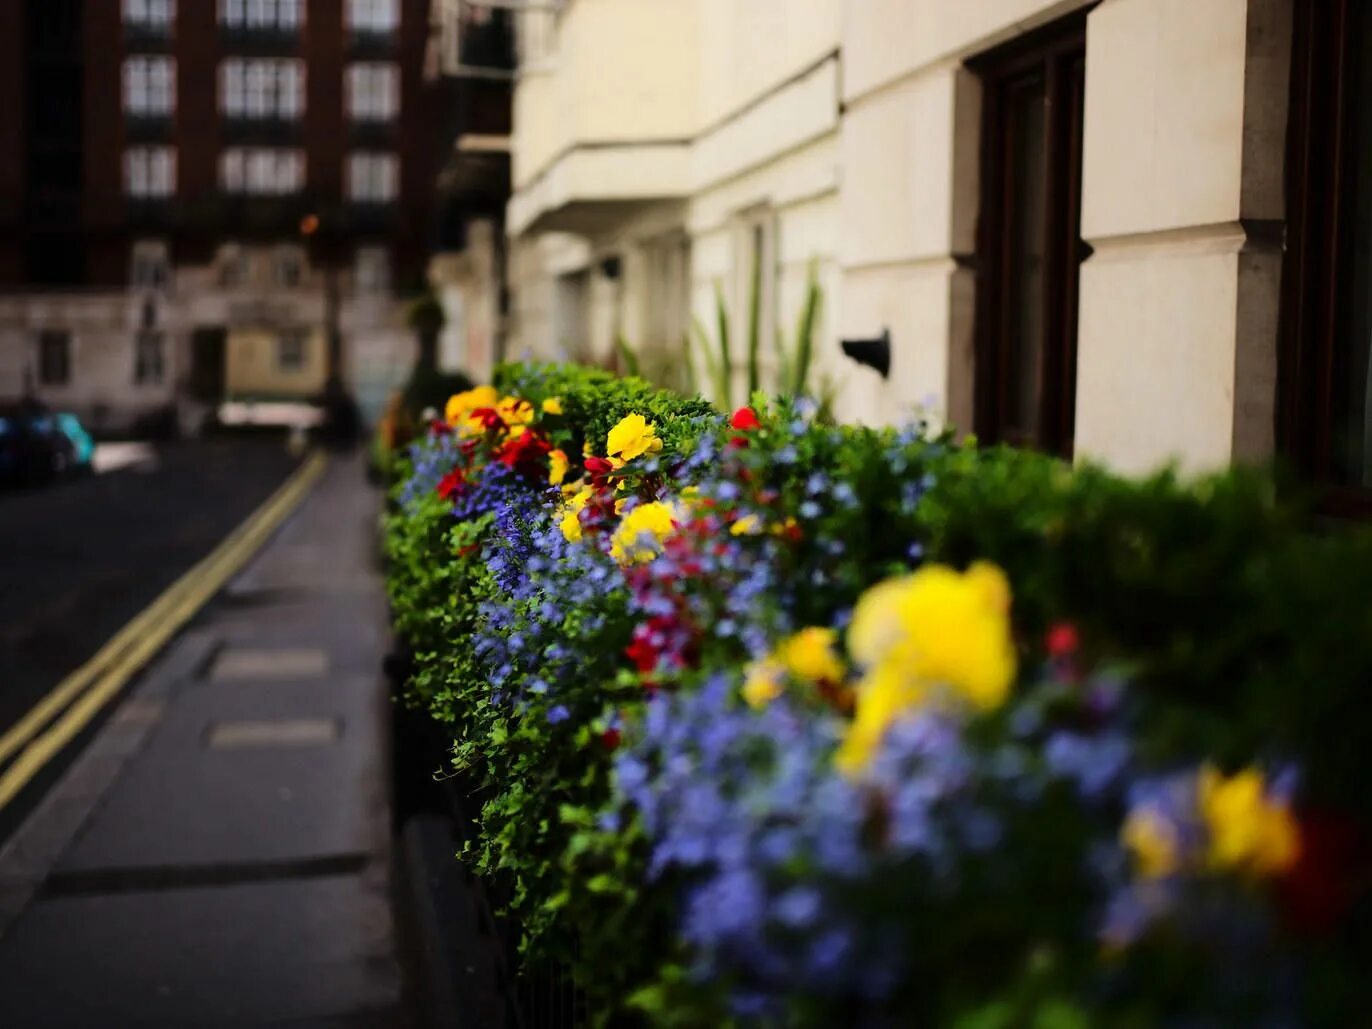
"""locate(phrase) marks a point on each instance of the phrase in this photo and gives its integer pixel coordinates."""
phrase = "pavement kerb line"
(65, 691)
(170, 612)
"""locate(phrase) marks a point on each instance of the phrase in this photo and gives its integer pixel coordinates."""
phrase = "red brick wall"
(325, 135)
(11, 137)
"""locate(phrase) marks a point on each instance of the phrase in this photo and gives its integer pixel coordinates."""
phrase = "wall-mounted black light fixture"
(610, 268)
(874, 352)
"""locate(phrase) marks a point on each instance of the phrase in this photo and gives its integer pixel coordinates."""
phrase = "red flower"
(642, 653)
(438, 427)
(1322, 885)
(738, 441)
(524, 452)
(745, 420)
(451, 484)
(610, 737)
(1062, 640)
(489, 417)
(598, 466)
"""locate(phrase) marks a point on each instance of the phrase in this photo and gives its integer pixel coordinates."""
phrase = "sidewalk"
(218, 855)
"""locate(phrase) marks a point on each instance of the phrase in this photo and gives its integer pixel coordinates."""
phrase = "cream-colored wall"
(1182, 180)
(750, 47)
(907, 233)
(251, 368)
(620, 71)
(102, 354)
(857, 125)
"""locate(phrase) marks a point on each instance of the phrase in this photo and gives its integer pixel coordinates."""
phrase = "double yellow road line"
(56, 720)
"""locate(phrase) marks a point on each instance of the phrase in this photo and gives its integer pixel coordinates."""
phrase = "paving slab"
(220, 854)
(186, 802)
(241, 955)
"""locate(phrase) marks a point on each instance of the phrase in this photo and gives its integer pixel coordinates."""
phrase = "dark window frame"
(1057, 53)
(1319, 187)
(150, 357)
(54, 357)
(292, 351)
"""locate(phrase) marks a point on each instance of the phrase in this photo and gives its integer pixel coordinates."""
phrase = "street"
(79, 559)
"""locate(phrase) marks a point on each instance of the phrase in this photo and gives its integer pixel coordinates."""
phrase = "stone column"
(1182, 203)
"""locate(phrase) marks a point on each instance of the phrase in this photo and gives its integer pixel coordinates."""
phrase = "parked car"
(33, 447)
(83, 446)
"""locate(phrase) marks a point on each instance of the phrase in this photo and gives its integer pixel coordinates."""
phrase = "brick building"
(194, 193)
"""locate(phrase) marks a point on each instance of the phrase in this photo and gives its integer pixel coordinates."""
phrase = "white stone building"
(1078, 221)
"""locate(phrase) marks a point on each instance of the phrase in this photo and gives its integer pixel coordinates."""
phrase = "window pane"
(1027, 153)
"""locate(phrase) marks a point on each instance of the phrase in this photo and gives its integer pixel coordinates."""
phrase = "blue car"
(83, 446)
(33, 447)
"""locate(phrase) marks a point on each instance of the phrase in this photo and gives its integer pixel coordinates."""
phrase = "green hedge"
(1246, 628)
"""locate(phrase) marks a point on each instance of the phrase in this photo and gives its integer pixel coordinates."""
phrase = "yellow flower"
(460, 406)
(632, 437)
(763, 683)
(810, 655)
(1152, 840)
(942, 627)
(937, 632)
(581, 498)
(641, 532)
(553, 405)
(1249, 831)
(515, 412)
(557, 467)
(882, 697)
(783, 528)
(571, 525)
(748, 525)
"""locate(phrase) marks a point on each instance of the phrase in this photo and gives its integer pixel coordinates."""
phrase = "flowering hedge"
(786, 722)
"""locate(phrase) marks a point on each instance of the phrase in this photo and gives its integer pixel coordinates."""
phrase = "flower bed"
(785, 722)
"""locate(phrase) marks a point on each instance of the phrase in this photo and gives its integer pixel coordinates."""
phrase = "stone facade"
(849, 136)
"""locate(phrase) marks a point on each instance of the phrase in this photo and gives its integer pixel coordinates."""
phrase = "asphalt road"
(80, 559)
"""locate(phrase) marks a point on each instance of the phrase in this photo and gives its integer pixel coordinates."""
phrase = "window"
(288, 266)
(262, 171)
(150, 171)
(372, 177)
(262, 89)
(261, 14)
(150, 14)
(148, 368)
(373, 92)
(1324, 419)
(54, 357)
(150, 86)
(232, 263)
(372, 269)
(148, 264)
(372, 15)
(290, 351)
(1029, 247)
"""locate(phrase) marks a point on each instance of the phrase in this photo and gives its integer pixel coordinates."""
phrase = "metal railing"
(493, 38)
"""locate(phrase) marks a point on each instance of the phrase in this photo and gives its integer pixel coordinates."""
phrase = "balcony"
(153, 213)
(369, 217)
(141, 127)
(260, 40)
(148, 37)
(372, 44)
(476, 176)
(271, 130)
(373, 133)
(587, 151)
